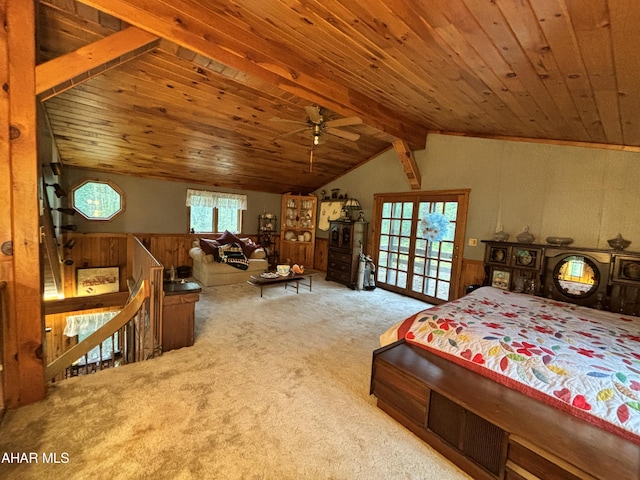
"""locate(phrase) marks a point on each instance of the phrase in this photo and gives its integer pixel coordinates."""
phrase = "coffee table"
(288, 280)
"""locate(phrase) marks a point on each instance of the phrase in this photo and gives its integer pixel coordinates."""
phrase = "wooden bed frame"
(489, 430)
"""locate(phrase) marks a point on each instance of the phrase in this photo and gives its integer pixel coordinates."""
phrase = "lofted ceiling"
(208, 91)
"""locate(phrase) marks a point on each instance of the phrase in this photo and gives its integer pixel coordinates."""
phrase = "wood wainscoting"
(321, 253)
(110, 250)
(472, 274)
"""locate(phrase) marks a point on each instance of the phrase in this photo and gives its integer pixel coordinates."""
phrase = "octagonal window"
(97, 199)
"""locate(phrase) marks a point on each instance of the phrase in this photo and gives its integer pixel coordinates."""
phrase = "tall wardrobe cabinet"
(346, 240)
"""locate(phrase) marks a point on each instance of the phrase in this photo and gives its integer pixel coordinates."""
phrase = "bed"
(514, 386)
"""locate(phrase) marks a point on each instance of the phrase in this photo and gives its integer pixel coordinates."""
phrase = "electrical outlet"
(473, 242)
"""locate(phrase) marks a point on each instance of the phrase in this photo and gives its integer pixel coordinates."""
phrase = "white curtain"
(203, 198)
(84, 325)
(87, 323)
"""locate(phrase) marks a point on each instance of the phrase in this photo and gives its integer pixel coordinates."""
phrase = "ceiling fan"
(318, 126)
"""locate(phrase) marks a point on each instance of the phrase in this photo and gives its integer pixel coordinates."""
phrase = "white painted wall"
(585, 193)
(159, 206)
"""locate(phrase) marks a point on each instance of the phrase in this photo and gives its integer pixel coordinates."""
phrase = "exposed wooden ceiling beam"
(409, 164)
(195, 28)
(64, 72)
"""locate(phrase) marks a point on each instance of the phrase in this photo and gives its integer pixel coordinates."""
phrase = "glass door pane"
(395, 243)
(411, 258)
(433, 260)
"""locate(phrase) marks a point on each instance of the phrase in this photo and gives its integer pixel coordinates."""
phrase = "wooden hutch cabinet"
(298, 229)
(598, 278)
(514, 266)
(346, 240)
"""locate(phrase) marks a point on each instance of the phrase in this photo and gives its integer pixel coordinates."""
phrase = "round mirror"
(576, 276)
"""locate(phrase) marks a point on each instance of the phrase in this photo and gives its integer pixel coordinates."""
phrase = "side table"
(178, 314)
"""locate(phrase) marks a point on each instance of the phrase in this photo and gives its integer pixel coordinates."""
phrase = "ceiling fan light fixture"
(316, 134)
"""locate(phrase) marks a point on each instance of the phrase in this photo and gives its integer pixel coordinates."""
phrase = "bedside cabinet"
(178, 314)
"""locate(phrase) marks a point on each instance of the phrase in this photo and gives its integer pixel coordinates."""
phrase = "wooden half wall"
(110, 250)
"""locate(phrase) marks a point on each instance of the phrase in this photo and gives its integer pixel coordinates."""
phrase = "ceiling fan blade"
(293, 132)
(313, 112)
(343, 134)
(278, 119)
(344, 122)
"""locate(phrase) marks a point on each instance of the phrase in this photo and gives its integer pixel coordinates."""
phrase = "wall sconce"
(57, 189)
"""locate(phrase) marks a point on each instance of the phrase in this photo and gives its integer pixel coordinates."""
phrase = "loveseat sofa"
(211, 272)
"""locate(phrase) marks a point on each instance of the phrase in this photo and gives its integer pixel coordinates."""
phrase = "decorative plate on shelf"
(497, 255)
(290, 235)
(559, 240)
(525, 258)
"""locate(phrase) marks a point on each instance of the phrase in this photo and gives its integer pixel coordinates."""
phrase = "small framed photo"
(96, 281)
(626, 270)
(500, 279)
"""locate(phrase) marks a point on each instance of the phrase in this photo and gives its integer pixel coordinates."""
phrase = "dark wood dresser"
(346, 239)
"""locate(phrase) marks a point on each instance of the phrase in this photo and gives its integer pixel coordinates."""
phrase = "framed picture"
(96, 281)
(626, 270)
(500, 279)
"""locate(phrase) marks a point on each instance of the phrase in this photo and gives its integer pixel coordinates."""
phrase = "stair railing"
(134, 313)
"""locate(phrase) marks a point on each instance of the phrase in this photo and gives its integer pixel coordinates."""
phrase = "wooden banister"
(101, 334)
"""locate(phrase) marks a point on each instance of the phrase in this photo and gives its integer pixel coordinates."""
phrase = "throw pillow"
(248, 247)
(227, 237)
(209, 246)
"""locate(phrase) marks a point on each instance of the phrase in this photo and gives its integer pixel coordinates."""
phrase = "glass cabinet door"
(345, 237)
(334, 236)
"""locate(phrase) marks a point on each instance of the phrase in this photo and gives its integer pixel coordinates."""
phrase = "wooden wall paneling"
(25, 374)
(321, 254)
(56, 342)
(472, 274)
(95, 250)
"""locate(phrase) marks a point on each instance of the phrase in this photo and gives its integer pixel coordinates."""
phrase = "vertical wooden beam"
(24, 372)
(6, 259)
(408, 162)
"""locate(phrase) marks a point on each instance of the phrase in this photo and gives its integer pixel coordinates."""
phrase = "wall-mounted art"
(96, 281)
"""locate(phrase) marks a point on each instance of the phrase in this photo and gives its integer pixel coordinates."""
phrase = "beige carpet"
(274, 388)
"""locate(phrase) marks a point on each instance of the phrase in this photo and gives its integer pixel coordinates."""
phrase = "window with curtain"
(213, 212)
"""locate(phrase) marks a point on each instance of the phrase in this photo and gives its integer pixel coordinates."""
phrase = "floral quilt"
(584, 361)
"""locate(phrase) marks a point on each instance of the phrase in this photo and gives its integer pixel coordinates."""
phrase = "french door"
(411, 259)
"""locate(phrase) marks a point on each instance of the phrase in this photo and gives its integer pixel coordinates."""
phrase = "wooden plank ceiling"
(190, 89)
